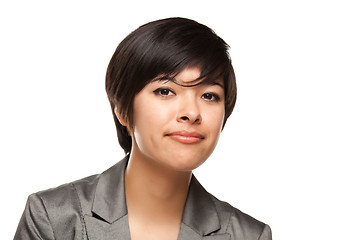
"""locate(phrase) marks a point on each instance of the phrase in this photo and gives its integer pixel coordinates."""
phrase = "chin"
(187, 163)
(185, 168)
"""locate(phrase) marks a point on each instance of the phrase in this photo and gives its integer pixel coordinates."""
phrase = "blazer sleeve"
(34, 223)
(266, 234)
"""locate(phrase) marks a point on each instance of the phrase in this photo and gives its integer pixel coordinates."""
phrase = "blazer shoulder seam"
(83, 225)
(44, 206)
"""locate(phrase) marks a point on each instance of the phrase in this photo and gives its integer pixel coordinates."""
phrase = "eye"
(164, 92)
(211, 97)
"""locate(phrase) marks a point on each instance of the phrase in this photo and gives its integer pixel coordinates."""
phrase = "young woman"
(171, 87)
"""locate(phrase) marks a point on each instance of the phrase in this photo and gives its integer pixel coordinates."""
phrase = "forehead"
(188, 74)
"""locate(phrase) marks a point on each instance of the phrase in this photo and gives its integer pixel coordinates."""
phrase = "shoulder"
(239, 224)
(56, 213)
(76, 198)
(69, 195)
(64, 206)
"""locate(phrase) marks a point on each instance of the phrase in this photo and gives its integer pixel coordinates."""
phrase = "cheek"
(150, 122)
(161, 114)
(150, 117)
(214, 124)
(215, 119)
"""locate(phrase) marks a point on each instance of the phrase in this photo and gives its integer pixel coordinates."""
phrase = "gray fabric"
(95, 208)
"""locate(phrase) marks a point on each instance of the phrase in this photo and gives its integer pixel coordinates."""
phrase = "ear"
(119, 117)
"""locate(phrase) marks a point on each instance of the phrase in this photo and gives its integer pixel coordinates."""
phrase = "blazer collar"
(200, 212)
(200, 216)
(109, 200)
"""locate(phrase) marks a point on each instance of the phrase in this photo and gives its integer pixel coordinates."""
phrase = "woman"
(171, 87)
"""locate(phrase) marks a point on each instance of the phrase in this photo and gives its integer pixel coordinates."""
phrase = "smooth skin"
(175, 130)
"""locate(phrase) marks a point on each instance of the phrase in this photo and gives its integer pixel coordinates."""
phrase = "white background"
(282, 156)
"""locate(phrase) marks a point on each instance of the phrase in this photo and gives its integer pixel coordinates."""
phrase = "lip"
(186, 137)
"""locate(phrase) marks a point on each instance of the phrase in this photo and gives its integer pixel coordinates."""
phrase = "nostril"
(184, 118)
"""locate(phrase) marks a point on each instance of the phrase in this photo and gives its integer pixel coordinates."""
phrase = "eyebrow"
(217, 83)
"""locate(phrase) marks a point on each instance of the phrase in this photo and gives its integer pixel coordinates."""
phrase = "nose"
(189, 112)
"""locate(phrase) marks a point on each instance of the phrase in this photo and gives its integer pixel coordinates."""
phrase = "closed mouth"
(186, 137)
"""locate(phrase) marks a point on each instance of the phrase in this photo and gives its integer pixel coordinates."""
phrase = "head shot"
(160, 50)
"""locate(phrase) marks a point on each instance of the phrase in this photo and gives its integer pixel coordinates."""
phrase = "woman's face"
(175, 126)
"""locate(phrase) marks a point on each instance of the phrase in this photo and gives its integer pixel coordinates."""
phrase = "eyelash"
(160, 92)
(164, 92)
(215, 96)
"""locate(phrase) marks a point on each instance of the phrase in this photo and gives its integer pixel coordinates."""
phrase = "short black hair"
(165, 47)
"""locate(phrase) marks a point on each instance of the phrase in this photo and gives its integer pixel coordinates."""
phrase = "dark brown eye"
(211, 97)
(164, 92)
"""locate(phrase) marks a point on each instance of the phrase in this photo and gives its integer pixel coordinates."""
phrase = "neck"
(152, 190)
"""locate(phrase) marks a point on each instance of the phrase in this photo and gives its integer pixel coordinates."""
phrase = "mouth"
(186, 137)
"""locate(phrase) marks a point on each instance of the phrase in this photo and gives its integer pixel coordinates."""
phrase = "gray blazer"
(94, 208)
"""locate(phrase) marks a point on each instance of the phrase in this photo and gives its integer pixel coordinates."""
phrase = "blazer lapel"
(100, 230)
(200, 218)
(218, 237)
(109, 211)
(187, 233)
